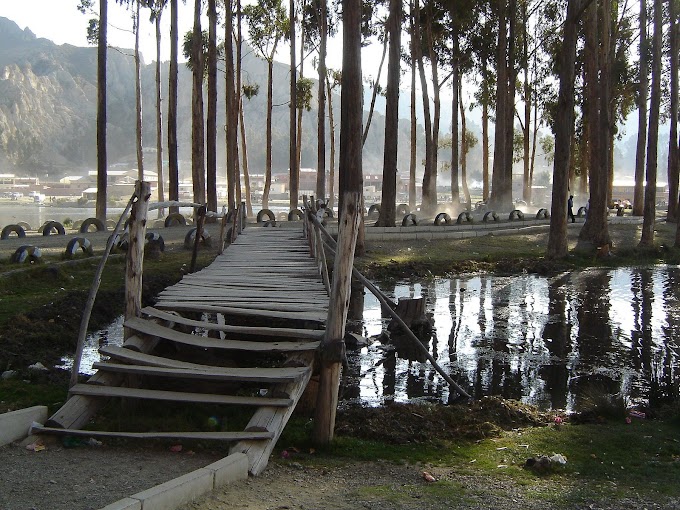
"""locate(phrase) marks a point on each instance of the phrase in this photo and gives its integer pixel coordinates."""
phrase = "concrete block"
(176, 492)
(124, 504)
(16, 424)
(229, 469)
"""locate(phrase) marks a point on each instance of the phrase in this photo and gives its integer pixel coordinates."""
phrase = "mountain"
(48, 111)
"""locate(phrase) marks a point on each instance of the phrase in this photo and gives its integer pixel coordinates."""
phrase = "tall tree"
(157, 7)
(267, 25)
(321, 118)
(294, 172)
(673, 151)
(564, 124)
(231, 101)
(413, 66)
(641, 151)
(389, 188)
(211, 120)
(173, 165)
(138, 98)
(197, 131)
(647, 238)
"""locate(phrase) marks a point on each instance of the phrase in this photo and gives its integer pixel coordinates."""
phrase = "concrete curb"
(16, 424)
(186, 488)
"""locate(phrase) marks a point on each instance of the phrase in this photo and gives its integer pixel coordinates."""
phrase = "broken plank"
(224, 436)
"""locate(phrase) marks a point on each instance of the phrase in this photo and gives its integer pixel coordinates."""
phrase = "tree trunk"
(526, 183)
(463, 147)
(321, 118)
(102, 166)
(238, 95)
(564, 127)
(173, 167)
(498, 198)
(429, 181)
(414, 143)
(389, 189)
(244, 158)
(455, 99)
(138, 100)
(647, 238)
(598, 26)
(331, 126)
(350, 168)
(293, 171)
(232, 108)
(211, 125)
(197, 133)
(300, 106)
(376, 86)
(673, 155)
(506, 198)
(270, 106)
(485, 152)
(640, 153)
(159, 118)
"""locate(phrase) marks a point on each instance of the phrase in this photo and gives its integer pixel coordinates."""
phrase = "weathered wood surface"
(225, 436)
(177, 396)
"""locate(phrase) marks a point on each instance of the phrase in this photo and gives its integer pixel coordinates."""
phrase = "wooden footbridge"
(242, 332)
(247, 331)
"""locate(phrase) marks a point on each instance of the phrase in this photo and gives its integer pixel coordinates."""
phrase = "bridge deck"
(242, 332)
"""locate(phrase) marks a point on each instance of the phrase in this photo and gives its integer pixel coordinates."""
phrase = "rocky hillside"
(48, 110)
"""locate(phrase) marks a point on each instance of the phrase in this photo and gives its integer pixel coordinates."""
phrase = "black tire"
(265, 212)
(174, 220)
(464, 216)
(442, 219)
(269, 223)
(24, 225)
(581, 212)
(110, 224)
(24, 253)
(403, 209)
(53, 225)
(374, 209)
(98, 224)
(191, 236)
(542, 214)
(295, 215)
(516, 214)
(79, 243)
(17, 229)
(155, 240)
(490, 216)
(409, 219)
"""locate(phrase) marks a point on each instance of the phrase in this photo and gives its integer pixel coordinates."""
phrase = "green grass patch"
(18, 394)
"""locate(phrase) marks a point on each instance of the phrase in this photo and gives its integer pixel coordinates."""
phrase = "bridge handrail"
(390, 306)
(313, 236)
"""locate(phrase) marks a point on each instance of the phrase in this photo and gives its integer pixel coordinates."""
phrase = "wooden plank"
(319, 318)
(299, 333)
(273, 419)
(224, 436)
(177, 396)
(139, 358)
(250, 374)
(150, 328)
(243, 302)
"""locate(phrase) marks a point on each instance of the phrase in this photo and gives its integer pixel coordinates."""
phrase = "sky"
(61, 22)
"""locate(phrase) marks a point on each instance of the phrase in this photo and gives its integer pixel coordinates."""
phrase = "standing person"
(570, 209)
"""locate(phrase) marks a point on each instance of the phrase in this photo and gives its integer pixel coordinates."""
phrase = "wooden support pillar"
(135, 256)
(333, 346)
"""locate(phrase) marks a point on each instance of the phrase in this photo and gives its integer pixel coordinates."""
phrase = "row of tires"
(466, 217)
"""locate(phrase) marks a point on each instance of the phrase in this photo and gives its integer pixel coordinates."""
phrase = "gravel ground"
(87, 477)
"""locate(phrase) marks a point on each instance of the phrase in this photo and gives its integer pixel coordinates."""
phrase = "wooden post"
(223, 230)
(333, 345)
(200, 212)
(135, 255)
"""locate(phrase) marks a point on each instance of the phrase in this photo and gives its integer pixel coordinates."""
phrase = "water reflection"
(552, 342)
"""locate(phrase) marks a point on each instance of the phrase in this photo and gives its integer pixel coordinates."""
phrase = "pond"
(551, 342)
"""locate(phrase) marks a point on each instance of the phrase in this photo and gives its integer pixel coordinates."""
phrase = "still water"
(552, 342)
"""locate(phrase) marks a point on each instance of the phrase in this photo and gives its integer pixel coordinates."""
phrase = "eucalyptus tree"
(294, 172)
(647, 238)
(157, 7)
(673, 149)
(97, 33)
(231, 101)
(564, 126)
(412, 158)
(173, 164)
(211, 120)
(197, 129)
(267, 26)
(389, 187)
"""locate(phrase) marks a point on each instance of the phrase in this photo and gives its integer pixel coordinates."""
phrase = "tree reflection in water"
(546, 341)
